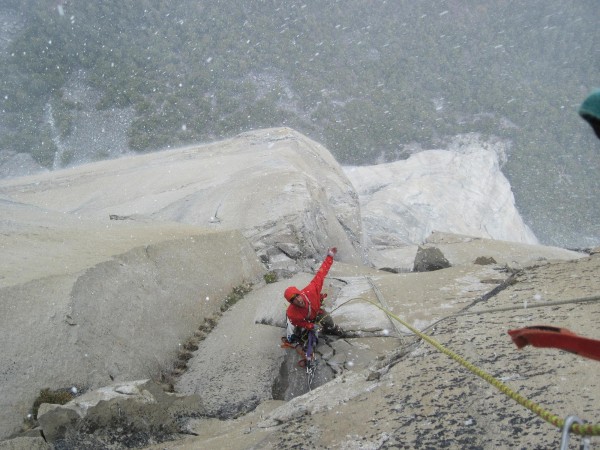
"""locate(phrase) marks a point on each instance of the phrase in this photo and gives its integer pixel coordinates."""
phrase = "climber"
(305, 311)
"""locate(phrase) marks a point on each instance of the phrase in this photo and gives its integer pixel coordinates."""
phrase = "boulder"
(484, 260)
(429, 259)
(117, 416)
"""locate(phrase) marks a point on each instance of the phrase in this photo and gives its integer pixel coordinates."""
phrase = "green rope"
(587, 429)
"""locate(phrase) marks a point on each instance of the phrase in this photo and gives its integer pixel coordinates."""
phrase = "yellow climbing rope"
(582, 429)
(586, 429)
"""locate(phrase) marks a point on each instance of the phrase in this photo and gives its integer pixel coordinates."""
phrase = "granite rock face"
(276, 186)
(460, 190)
(109, 268)
(117, 263)
(83, 303)
(409, 394)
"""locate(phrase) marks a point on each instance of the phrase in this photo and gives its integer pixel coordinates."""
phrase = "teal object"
(590, 111)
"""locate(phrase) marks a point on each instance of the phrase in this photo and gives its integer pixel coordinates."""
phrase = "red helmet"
(290, 293)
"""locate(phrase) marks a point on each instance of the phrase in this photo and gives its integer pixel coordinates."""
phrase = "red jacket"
(304, 317)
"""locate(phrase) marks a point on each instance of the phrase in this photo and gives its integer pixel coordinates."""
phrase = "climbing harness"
(553, 337)
(306, 348)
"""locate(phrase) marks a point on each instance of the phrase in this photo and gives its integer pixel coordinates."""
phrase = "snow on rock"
(461, 190)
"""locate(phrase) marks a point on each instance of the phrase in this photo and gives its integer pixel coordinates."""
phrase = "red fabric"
(304, 317)
(291, 292)
(553, 337)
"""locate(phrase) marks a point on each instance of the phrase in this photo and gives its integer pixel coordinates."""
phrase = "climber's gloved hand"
(332, 251)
